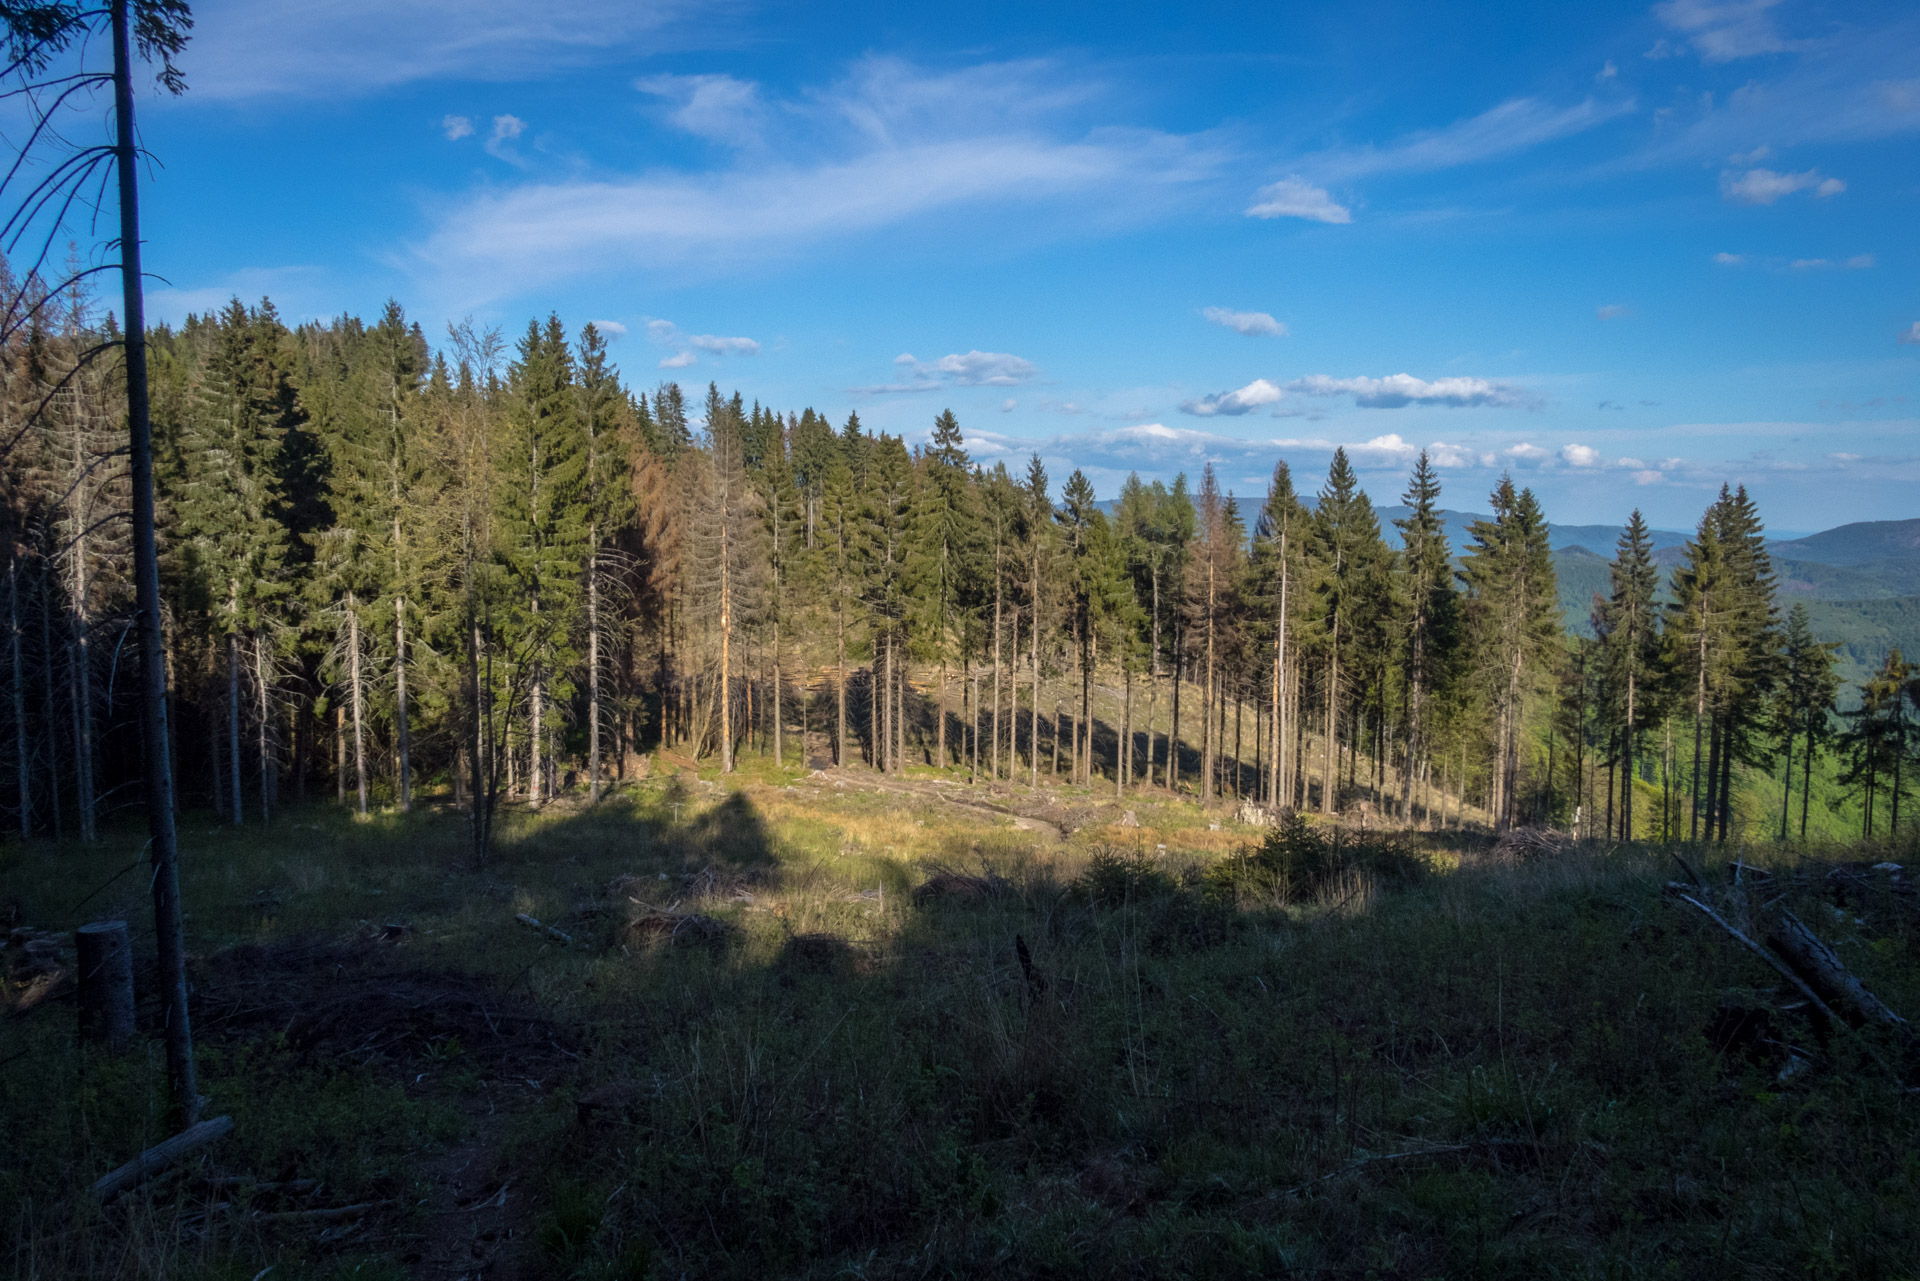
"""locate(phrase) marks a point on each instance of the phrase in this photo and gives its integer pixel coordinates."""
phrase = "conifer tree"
(1804, 706)
(608, 500)
(944, 547)
(1626, 623)
(540, 530)
(1278, 562)
(1510, 581)
(1428, 629)
(1347, 556)
(1037, 531)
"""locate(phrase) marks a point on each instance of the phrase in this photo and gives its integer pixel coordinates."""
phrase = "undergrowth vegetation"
(801, 1031)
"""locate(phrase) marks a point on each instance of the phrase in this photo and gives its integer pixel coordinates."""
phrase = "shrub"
(1297, 862)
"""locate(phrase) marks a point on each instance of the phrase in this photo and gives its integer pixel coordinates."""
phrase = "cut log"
(159, 1157)
(1801, 948)
(105, 954)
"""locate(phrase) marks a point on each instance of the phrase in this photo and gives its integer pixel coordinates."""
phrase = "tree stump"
(105, 955)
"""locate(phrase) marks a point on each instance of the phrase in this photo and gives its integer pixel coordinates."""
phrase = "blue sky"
(1629, 252)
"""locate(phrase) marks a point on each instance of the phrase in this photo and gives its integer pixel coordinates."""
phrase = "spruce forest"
(471, 813)
(498, 572)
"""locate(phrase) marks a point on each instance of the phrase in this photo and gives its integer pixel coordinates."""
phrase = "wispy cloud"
(716, 107)
(1610, 311)
(1910, 335)
(1724, 30)
(1397, 391)
(1234, 403)
(296, 48)
(886, 145)
(610, 328)
(1297, 198)
(1859, 262)
(1511, 127)
(1253, 324)
(1764, 186)
(679, 360)
(456, 127)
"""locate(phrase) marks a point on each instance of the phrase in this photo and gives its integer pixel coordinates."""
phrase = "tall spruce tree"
(1627, 624)
(1510, 581)
(1804, 707)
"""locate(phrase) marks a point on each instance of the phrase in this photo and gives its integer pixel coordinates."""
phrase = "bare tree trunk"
(840, 694)
(233, 723)
(47, 718)
(80, 662)
(23, 759)
(262, 678)
(994, 719)
(1173, 732)
(156, 762)
(1330, 777)
(1123, 756)
(401, 747)
(593, 665)
(340, 754)
(1033, 734)
(1209, 748)
(356, 698)
(973, 714)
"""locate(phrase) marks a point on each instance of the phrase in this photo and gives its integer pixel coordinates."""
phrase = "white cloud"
(1234, 403)
(1629, 464)
(505, 130)
(969, 369)
(1646, 477)
(1606, 73)
(1748, 158)
(1724, 30)
(456, 127)
(1764, 186)
(1730, 260)
(1254, 324)
(679, 360)
(1526, 452)
(1008, 405)
(724, 346)
(1911, 334)
(716, 107)
(611, 328)
(1295, 198)
(1580, 455)
(1398, 390)
(1610, 311)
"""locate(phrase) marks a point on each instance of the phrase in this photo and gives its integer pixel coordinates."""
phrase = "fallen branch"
(548, 930)
(159, 1157)
(1678, 891)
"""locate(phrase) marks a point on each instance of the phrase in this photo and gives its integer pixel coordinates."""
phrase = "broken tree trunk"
(105, 956)
(159, 1157)
(1821, 967)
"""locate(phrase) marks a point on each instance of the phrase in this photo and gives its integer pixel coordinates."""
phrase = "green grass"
(1416, 1063)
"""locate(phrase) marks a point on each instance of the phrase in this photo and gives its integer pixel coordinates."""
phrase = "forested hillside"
(494, 569)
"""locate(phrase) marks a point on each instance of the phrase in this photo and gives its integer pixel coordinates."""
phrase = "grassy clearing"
(1072, 1056)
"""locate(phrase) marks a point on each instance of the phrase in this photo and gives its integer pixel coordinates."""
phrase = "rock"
(1129, 820)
